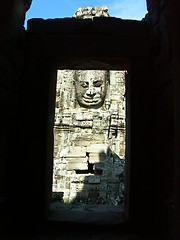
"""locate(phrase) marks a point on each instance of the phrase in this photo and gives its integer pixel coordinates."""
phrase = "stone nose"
(90, 91)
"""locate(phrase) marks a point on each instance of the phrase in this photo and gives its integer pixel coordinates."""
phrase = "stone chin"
(90, 103)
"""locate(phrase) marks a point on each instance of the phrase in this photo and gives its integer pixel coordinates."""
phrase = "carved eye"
(97, 83)
(84, 84)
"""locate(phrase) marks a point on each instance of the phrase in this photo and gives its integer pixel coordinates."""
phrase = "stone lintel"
(99, 25)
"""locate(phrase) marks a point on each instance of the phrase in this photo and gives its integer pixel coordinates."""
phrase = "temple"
(90, 124)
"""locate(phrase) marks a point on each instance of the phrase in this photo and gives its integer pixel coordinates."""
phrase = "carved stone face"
(91, 87)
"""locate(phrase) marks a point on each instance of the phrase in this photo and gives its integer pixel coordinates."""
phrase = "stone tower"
(89, 133)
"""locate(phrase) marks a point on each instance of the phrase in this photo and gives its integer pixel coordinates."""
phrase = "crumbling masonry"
(89, 133)
(89, 143)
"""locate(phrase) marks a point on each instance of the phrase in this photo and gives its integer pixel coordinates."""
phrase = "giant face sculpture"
(91, 87)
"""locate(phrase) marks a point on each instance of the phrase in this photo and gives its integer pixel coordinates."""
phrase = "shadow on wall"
(92, 194)
(89, 145)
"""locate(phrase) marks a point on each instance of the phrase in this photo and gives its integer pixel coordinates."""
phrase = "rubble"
(91, 12)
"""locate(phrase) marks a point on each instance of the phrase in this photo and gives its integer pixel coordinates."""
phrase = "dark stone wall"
(175, 23)
(12, 37)
(87, 44)
(163, 21)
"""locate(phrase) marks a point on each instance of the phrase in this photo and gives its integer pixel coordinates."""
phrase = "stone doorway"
(89, 145)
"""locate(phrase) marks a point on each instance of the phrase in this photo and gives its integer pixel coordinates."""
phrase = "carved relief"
(89, 137)
(91, 87)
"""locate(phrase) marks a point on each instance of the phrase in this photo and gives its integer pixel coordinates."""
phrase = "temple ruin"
(89, 134)
(36, 114)
(89, 140)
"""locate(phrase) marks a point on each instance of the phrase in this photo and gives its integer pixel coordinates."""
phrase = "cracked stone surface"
(89, 139)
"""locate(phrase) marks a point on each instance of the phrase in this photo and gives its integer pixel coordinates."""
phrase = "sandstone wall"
(89, 144)
(62, 44)
(160, 25)
(12, 41)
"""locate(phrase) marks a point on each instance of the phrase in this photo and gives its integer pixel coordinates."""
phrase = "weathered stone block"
(79, 142)
(94, 157)
(98, 148)
(77, 166)
(77, 159)
(77, 151)
(98, 159)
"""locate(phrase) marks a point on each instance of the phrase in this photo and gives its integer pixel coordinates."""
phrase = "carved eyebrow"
(94, 81)
(97, 82)
(84, 83)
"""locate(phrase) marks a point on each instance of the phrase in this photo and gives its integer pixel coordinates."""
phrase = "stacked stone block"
(89, 144)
